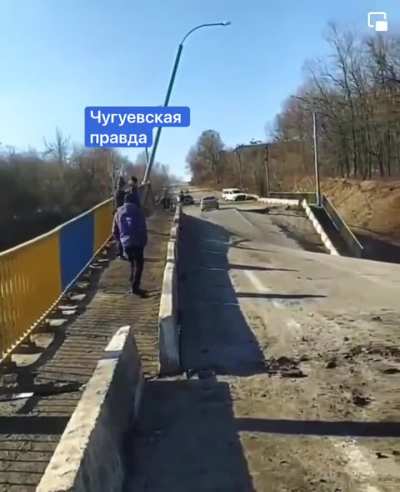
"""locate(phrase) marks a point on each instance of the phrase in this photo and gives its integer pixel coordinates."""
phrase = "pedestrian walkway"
(31, 427)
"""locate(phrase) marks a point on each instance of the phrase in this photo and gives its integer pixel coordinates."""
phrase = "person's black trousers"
(135, 256)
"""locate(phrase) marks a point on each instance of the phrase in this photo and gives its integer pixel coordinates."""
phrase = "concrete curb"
(168, 324)
(168, 328)
(174, 231)
(281, 201)
(178, 213)
(171, 250)
(319, 229)
(89, 455)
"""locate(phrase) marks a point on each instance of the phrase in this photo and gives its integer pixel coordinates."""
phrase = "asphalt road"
(292, 366)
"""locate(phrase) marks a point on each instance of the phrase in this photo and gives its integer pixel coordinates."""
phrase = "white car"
(228, 194)
(209, 203)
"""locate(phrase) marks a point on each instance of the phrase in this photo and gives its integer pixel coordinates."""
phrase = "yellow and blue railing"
(35, 274)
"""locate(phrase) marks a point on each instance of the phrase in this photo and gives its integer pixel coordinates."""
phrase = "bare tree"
(205, 158)
(58, 149)
(356, 93)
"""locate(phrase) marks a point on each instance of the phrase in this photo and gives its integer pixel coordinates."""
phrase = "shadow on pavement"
(33, 425)
(319, 428)
(215, 336)
(256, 295)
(379, 249)
(232, 266)
(186, 437)
(186, 440)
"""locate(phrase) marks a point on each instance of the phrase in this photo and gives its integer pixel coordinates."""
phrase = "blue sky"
(58, 56)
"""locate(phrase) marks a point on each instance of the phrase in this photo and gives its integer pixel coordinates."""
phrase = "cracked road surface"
(292, 365)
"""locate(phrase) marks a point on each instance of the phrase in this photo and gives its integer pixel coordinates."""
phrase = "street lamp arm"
(169, 90)
(212, 24)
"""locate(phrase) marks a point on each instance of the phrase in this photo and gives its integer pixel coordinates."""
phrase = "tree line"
(211, 162)
(40, 190)
(355, 94)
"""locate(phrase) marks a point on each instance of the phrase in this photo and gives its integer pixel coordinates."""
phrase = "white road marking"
(218, 241)
(245, 219)
(213, 303)
(256, 282)
(260, 287)
(357, 464)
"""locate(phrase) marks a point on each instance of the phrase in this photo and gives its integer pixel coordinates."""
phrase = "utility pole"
(267, 169)
(315, 139)
(316, 163)
(237, 151)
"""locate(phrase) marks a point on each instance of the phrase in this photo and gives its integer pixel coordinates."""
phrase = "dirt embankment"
(368, 206)
(372, 210)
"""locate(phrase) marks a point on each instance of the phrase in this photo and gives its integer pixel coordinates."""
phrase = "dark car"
(209, 203)
(187, 200)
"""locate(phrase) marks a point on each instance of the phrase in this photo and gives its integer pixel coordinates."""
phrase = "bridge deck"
(290, 362)
(31, 427)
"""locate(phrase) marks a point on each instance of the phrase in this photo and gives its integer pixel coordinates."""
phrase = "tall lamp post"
(169, 90)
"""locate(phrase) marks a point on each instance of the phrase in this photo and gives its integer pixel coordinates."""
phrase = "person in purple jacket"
(130, 229)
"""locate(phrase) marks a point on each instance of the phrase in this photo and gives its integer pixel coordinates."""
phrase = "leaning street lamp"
(169, 90)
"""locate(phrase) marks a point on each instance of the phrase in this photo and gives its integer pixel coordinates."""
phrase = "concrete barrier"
(178, 213)
(281, 201)
(319, 229)
(169, 357)
(302, 199)
(171, 251)
(168, 326)
(89, 455)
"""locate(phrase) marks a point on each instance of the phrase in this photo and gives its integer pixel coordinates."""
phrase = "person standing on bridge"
(165, 199)
(120, 193)
(133, 191)
(130, 229)
(119, 201)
